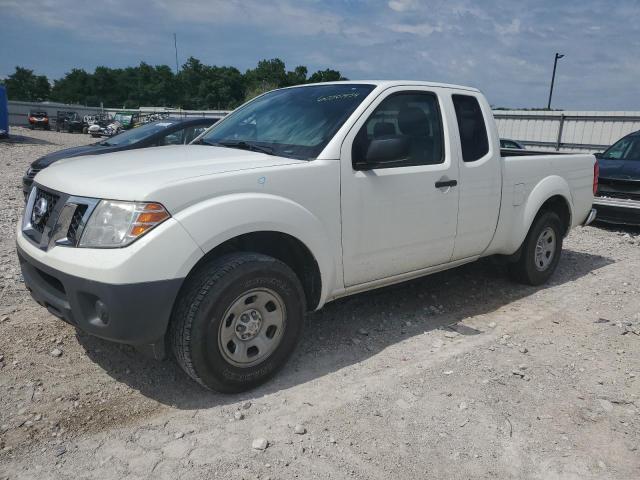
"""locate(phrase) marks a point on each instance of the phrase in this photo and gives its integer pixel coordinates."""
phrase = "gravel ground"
(458, 375)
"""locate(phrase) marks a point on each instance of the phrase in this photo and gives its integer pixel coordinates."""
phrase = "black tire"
(196, 327)
(85, 130)
(527, 269)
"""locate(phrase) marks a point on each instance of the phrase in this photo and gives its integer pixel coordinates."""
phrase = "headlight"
(116, 224)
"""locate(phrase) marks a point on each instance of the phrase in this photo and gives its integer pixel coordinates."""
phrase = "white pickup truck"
(216, 250)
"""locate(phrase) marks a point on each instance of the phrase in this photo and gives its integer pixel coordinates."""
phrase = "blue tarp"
(4, 112)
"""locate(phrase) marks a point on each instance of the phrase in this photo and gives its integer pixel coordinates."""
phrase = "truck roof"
(395, 83)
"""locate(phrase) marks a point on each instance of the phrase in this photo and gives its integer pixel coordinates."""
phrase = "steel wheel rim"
(252, 327)
(545, 249)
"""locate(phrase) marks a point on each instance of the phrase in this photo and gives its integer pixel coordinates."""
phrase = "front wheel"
(237, 321)
(540, 251)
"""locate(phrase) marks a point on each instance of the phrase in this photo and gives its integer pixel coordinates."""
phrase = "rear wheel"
(237, 321)
(540, 251)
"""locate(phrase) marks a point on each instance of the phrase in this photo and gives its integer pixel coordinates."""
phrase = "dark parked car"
(69, 122)
(171, 131)
(39, 119)
(512, 144)
(618, 196)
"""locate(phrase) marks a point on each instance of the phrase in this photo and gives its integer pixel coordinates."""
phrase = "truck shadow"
(14, 139)
(348, 331)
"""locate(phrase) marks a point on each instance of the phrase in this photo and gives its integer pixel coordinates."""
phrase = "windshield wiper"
(246, 146)
(202, 141)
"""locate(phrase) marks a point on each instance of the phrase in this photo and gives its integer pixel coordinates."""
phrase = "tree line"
(195, 87)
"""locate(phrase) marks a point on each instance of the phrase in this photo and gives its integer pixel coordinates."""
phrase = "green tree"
(24, 85)
(327, 75)
(268, 72)
(74, 87)
(298, 76)
(196, 86)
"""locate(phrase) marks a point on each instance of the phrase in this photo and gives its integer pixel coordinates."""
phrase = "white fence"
(19, 111)
(566, 131)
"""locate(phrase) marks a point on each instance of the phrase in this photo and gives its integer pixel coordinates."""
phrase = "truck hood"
(48, 159)
(135, 174)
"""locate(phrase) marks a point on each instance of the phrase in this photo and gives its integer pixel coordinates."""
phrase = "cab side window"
(173, 138)
(404, 130)
(473, 131)
(193, 132)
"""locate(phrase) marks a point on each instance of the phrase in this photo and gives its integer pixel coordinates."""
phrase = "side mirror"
(384, 152)
(598, 154)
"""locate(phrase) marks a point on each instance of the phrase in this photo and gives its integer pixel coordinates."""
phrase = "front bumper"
(136, 313)
(617, 210)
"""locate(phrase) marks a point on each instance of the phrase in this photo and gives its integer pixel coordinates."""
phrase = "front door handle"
(446, 183)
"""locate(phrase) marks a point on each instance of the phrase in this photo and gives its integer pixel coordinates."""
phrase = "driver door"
(399, 214)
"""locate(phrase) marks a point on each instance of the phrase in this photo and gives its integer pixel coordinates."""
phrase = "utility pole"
(553, 78)
(175, 45)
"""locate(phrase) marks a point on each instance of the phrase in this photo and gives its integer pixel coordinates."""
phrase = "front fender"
(219, 219)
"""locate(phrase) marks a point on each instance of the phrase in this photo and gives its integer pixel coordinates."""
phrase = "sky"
(505, 48)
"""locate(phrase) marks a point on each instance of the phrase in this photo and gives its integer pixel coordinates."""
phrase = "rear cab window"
(473, 131)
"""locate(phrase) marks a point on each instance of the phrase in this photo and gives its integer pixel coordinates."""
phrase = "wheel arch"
(282, 246)
(551, 194)
(269, 224)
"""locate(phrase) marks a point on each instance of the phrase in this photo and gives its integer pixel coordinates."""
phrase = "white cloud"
(403, 5)
(421, 29)
(501, 46)
(282, 16)
(512, 28)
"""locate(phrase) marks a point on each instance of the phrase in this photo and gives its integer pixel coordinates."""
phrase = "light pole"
(553, 78)
(175, 45)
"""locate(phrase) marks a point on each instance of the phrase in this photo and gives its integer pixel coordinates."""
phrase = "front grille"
(60, 223)
(51, 199)
(76, 220)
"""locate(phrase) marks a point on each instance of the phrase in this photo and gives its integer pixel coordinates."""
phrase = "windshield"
(626, 149)
(137, 134)
(123, 118)
(293, 122)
